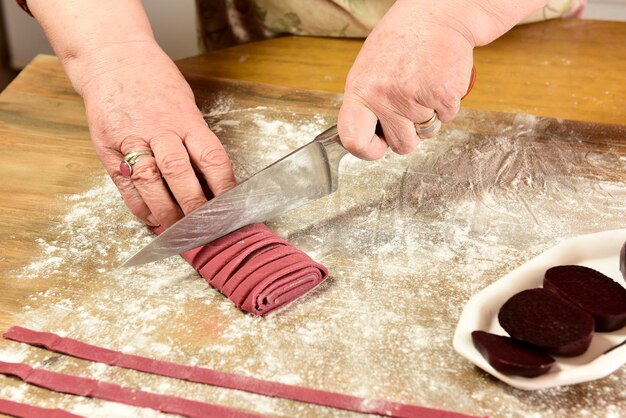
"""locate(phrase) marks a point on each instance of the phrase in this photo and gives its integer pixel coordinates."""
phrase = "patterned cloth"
(224, 23)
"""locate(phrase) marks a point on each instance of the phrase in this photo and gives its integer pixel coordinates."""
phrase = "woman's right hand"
(415, 67)
(137, 100)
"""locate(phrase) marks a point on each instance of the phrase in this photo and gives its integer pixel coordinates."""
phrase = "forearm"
(479, 21)
(84, 32)
(503, 15)
(136, 100)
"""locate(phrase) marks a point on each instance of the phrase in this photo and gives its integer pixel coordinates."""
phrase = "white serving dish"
(599, 251)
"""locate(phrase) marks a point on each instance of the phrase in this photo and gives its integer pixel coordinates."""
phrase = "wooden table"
(570, 69)
(563, 69)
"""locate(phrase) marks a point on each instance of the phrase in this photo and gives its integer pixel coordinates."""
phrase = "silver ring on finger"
(428, 126)
(129, 160)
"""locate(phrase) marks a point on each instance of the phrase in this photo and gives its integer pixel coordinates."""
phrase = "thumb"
(356, 125)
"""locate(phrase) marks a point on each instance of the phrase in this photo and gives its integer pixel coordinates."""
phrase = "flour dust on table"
(407, 240)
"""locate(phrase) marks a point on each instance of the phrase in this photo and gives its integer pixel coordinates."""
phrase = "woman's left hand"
(414, 64)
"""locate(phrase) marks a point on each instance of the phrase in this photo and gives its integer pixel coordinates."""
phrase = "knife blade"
(305, 175)
(302, 176)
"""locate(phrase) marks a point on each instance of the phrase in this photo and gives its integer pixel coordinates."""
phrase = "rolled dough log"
(256, 269)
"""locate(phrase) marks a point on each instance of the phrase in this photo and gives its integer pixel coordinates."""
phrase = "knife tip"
(131, 262)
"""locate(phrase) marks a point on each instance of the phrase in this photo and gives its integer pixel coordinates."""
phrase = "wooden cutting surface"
(564, 69)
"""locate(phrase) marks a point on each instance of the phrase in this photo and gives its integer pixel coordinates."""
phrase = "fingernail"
(151, 220)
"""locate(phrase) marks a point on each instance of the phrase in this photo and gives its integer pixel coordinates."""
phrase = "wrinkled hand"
(414, 63)
(137, 100)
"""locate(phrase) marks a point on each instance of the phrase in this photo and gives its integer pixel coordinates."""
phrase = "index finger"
(356, 125)
(210, 158)
(175, 166)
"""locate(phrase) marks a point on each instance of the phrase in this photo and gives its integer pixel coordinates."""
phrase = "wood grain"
(45, 151)
(570, 69)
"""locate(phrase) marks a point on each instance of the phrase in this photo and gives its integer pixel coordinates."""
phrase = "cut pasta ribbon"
(203, 375)
(82, 386)
(256, 269)
(22, 410)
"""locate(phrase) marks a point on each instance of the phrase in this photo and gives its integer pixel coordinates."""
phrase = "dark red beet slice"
(598, 295)
(511, 357)
(622, 261)
(541, 318)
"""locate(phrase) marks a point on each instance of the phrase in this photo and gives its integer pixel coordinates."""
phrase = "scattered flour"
(14, 355)
(407, 240)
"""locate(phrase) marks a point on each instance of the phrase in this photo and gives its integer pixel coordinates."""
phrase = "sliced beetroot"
(622, 260)
(511, 357)
(541, 318)
(598, 295)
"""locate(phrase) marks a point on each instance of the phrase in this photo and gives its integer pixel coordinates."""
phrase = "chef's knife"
(305, 175)
(301, 177)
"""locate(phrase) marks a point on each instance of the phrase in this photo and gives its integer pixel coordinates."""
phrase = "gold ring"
(428, 126)
(129, 160)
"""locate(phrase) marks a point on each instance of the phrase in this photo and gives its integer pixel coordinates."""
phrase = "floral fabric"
(227, 22)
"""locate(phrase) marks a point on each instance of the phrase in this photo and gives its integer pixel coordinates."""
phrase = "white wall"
(606, 10)
(173, 22)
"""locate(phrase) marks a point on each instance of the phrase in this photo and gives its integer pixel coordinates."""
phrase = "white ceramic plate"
(599, 251)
